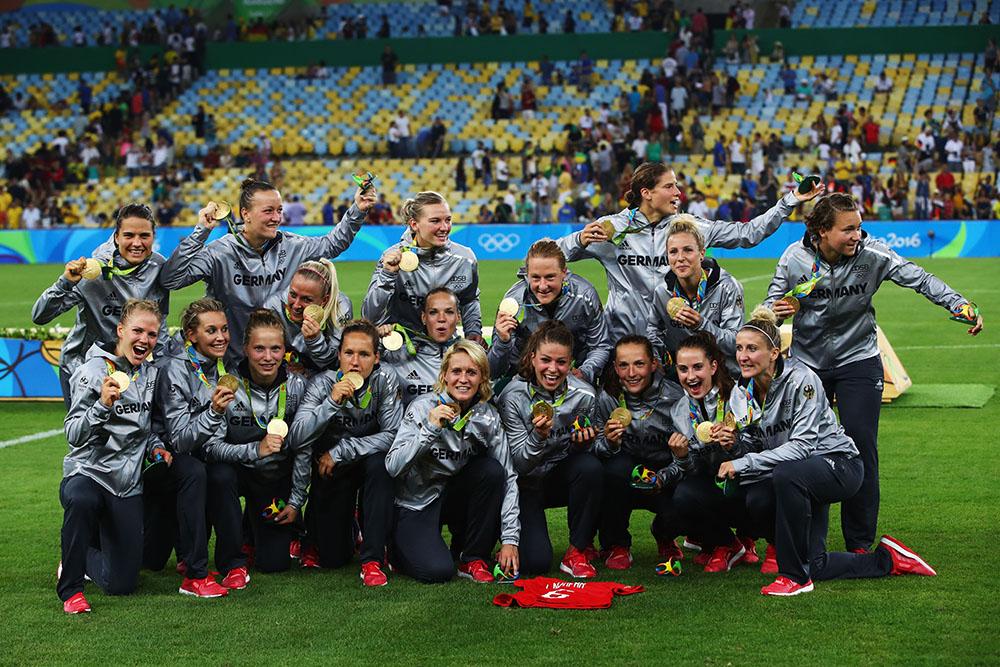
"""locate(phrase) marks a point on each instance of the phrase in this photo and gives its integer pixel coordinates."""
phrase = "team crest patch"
(809, 392)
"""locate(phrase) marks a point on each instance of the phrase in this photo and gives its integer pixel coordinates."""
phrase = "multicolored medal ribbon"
(699, 297)
(967, 313)
(617, 237)
(744, 406)
(196, 364)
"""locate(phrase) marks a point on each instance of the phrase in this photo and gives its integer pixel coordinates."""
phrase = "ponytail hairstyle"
(414, 206)
(765, 322)
(824, 213)
(705, 341)
(134, 210)
(133, 306)
(248, 188)
(684, 223)
(195, 309)
(549, 331)
(548, 249)
(324, 272)
(262, 318)
(612, 385)
(645, 176)
(478, 357)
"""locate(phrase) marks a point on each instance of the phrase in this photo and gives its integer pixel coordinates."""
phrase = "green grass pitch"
(939, 480)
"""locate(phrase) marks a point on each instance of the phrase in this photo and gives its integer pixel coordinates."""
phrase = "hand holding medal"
(344, 388)
(542, 414)
(366, 195)
(443, 414)
(225, 393)
(809, 187)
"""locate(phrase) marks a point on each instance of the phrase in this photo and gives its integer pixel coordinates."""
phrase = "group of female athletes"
(367, 435)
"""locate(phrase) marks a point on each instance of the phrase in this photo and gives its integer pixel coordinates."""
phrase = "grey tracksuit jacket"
(532, 456)
(99, 305)
(349, 431)
(704, 459)
(108, 445)
(836, 323)
(578, 307)
(188, 417)
(425, 455)
(238, 441)
(398, 298)
(319, 353)
(243, 279)
(635, 267)
(417, 373)
(797, 423)
(721, 313)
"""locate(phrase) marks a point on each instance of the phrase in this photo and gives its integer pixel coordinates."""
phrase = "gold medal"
(121, 379)
(674, 306)
(222, 210)
(230, 382)
(92, 269)
(409, 261)
(314, 312)
(621, 415)
(608, 228)
(277, 427)
(730, 420)
(792, 302)
(355, 379)
(393, 341)
(704, 432)
(542, 408)
(509, 306)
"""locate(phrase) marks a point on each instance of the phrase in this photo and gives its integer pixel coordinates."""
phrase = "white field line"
(945, 347)
(28, 438)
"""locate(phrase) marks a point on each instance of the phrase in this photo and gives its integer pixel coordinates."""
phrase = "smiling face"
(462, 378)
(432, 228)
(265, 350)
(695, 371)
(551, 363)
(134, 238)
(211, 336)
(262, 219)
(137, 336)
(440, 316)
(665, 197)
(684, 255)
(845, 234)
(358, 354)
(753, 353)
(634, 368)
(304, 292)
(545, 278)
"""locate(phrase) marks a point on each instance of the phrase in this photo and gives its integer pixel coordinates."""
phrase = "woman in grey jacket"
(810, 461)
(128, 269)
(452, 465)
(110, 435)
(826, 282)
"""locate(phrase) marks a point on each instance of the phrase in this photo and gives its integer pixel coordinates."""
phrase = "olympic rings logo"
(499, 242)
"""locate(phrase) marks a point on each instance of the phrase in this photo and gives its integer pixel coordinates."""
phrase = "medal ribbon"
(804, 289)
(112, 368)
(744, 403)
(621, 404)
(282, 397)
(558, 401)
(366, 398)
(189, 348)
(699, 297)
(459, 423)
(288, 316)
(108, 270)
(629, 229)
(411, 349)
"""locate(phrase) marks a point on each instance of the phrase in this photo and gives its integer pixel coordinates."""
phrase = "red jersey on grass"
(558, 594)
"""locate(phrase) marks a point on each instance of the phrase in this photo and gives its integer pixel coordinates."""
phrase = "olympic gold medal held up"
(121, 379)
(542, 408)
(674, 306)
(409, 261)
(729, 421)
(393, 341)
(792, 302)
(314, 312)
(355, 379)
(277, 427)
(230, 382)
(92, 269)
(622, 415)
(704, 432)
(509, 306)
(608, 228)
(222, 210)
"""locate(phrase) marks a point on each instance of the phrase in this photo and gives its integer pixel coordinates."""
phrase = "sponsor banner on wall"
(978, 238)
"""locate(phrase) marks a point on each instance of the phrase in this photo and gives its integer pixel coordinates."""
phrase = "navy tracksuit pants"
(174, 515)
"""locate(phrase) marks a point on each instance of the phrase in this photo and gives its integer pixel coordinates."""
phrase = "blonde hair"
(478, 356)
(414, 206)
(324, 272)
(764, 321)
(195, 309)
(685, 223)
(133, 306)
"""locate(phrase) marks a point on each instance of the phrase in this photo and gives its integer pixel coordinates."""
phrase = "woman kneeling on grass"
(810, 460)
(108, 428)
(452, 465)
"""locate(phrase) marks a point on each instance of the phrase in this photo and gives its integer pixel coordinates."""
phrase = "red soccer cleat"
(295, 549)
(904, 559)
(575, 564)
(723, 558)
(785, 587)
(750, 557)
(770, 564)
(591, 553)
(76, 605)
(203, 588)
(236, 579)
(310, 557)
(691, 544)
(619, 558)
(669, 550)
(372, 575)
(476, 571)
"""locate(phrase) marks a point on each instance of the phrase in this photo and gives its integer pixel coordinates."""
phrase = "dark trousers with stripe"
(174, 516)
(577, 483)
(330, 513)
(804, 491)
(858, 390)
(88, 510)
(620, 499)
(469, 506)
